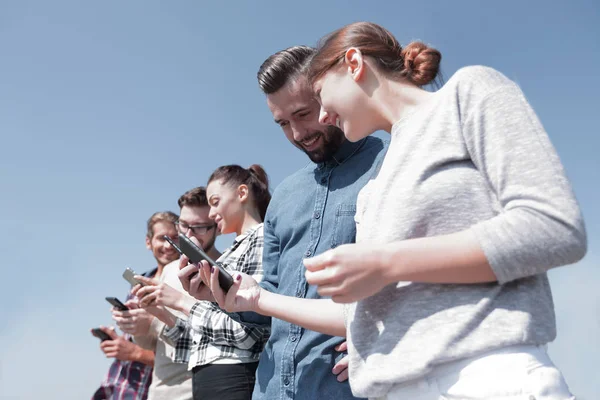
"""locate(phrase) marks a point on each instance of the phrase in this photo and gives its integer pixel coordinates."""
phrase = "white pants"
(519, 372)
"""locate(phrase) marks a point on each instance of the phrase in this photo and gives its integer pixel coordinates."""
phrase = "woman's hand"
(348, 273)
(243, 295)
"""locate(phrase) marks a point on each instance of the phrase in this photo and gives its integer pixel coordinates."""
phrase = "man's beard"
(333, 137)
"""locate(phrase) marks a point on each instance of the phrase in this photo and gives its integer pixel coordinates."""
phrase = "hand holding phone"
(196, 254)
(129, 277)
(116, 303)
(100, 334)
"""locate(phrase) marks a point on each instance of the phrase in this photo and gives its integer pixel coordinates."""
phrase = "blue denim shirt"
(311, 211)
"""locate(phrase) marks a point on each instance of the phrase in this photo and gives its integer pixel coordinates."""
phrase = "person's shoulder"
(478, 80)
(150, 273)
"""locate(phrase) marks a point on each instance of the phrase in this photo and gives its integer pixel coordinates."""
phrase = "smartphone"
(129, 277)
(196, 254)
(117, 303)
(100, 334)
(172, 243)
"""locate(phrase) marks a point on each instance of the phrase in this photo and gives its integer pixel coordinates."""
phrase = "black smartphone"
(100, 334)
(117, 303)
(172, 243)
(196, 254)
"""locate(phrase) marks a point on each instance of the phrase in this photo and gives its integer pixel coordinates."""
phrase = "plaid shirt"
(126, 380)
(210, 335)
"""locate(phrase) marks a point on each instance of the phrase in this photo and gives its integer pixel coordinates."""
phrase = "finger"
(342, 347)
(195, 283)
(319, 262)
(196, 241)
(146, 290)
(343, 376)
(216, 288)
(132, 304)
(109, 331)
(135, 289)
(204, 269)
(230, 299)
(146, 281)
(148, 300)
(343, 299)
(327, 276)
(338, 290)
(183, 261)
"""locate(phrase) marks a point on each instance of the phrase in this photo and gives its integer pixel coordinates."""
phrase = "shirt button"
(286, 382)
(317, 215)
(293, 338)
(323, 180)
(308, 253)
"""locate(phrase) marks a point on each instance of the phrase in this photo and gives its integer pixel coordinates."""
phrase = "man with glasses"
(171, 378)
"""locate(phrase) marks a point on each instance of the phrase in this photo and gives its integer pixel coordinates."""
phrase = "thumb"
(342, 347)
(146, 281)
(110, 332)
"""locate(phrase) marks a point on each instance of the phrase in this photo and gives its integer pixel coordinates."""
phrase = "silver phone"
(129, 277)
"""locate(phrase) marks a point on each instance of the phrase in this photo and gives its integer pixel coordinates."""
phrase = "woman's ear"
(354, 60)
(242, 193)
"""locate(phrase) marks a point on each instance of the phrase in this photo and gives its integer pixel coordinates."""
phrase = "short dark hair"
(161, 216)
(195, 197)
(282, 67)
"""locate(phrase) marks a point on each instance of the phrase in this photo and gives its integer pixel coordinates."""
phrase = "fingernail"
(212, 269)
(238, 278)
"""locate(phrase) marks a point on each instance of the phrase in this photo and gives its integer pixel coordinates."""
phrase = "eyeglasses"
(196, 229)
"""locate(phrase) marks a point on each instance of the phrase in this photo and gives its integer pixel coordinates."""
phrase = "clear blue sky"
(110, 110)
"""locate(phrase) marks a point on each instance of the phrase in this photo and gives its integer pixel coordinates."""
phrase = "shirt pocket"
(344, 228)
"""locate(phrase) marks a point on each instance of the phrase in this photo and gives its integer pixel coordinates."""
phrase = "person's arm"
(210, 320)
(319, 315)
(540, 225)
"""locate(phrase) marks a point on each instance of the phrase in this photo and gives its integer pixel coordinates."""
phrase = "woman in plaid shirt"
(222, 353)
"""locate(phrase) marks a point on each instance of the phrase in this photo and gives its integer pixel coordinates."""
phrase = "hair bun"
(421, 63)
(260, 173)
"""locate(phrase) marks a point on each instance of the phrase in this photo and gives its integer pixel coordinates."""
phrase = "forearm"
(144, 356)
(454, 258)
(319, 315)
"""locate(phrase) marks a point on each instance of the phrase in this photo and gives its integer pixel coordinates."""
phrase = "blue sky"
(110, 110)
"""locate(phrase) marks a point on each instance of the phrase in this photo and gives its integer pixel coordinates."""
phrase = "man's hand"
(136, 321)
(341, 368)
(119, 347)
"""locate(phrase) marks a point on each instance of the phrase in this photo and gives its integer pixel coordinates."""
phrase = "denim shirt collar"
(346, 150)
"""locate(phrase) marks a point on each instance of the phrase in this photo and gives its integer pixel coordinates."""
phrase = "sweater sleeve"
(540, 225)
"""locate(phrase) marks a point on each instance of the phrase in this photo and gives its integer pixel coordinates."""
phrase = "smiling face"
(163, 252)
(296, 110)
(227, 205)
(342, 94)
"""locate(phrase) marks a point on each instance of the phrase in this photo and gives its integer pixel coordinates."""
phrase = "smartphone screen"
(196, 254)
(117, 303)
(100, 334)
